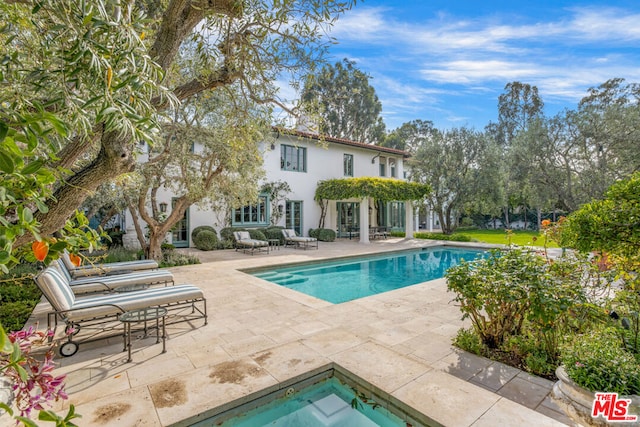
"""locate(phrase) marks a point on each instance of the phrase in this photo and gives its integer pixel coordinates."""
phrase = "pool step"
(293, 280)
(283, 278)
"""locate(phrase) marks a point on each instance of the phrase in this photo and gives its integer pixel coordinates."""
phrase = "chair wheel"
(68, 349)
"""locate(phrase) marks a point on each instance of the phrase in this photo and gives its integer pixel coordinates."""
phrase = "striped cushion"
(56, 289)
(288, 233)
(253, 243)
(113, 304)
(107, 283)
(113, 267)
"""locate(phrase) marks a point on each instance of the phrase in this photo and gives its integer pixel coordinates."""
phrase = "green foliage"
(205, 240)
(18, 296)
(611, 225)
(509, 287)
(383, 189)
(597, 362)
(173, 259)
(456, 237)
(468, 340)
(14, 314)
(274, 232)
(256, 234)
(356, 116)
(119, 254)
(200, 228)
(227, 233)
(323, 234)
(460, 167)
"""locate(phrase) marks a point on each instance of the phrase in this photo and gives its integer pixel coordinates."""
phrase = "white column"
(408, 219)
(416, 219)
(430, 219)
(364, 220)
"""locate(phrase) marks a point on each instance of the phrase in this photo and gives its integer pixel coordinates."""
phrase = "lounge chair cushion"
(290, 235)
(108, 283)
(59, 294)
(101, 269)
(243, 238)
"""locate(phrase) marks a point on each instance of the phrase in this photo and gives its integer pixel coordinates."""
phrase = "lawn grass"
(516, 237)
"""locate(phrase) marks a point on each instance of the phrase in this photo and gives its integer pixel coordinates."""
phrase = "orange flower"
(75, 259)
(40, 249)
(545, 223)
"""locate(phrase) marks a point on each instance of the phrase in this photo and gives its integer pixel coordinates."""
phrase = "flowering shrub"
(34, 384)
(522, 305)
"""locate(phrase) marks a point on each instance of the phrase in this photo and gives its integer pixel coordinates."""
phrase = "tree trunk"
(115, 158)
(154, 248)
(507, 224)
(539, 217)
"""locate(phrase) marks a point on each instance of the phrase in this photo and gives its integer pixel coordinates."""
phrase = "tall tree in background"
(346, 103)
(84, 82)
(449, 162)
(409, 136)
(518, 106)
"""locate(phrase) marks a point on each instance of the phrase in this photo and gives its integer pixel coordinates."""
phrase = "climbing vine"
(383, 189)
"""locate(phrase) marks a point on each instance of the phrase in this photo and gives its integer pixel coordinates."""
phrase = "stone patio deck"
(260, 335)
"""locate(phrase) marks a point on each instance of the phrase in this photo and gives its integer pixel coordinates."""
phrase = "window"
(293, 158)
(348, 164)
(383, 166)
(252, 214)
(392, 168)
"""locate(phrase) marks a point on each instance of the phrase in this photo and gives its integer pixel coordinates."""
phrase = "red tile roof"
(343, 141)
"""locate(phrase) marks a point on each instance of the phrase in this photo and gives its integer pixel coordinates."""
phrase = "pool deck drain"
(262, 335)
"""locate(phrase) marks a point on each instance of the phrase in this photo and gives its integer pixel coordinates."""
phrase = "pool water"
(348, 279)
(327, 403)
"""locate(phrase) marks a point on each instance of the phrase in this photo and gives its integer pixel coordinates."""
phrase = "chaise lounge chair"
(290, 238)
(132, 281)
(100, 313)
(246, 243)
(109, 268)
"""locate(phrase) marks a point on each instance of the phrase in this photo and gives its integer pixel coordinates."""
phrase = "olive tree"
(83, 83)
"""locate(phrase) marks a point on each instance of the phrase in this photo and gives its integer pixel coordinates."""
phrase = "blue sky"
(448, 61)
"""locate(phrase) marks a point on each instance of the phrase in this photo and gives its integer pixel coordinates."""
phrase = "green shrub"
(257, 234)
(509, 287)
(167, 246)
(13, 315)
(205, 240)
(119, 254)
(442, 236)
(227, 233)
(274, 232)
(468, 340)
(172, 259)
(200, 228)
(224, 244)
(323, 234)
(597, 362)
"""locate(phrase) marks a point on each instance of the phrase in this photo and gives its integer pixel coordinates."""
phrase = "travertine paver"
(261, 335)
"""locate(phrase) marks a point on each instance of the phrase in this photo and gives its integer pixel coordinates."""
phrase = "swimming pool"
(347, 279)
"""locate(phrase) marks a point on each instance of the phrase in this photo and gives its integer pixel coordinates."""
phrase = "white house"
(302, 159)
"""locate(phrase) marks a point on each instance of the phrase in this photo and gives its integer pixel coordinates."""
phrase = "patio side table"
(144, 315)
(274, 244)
